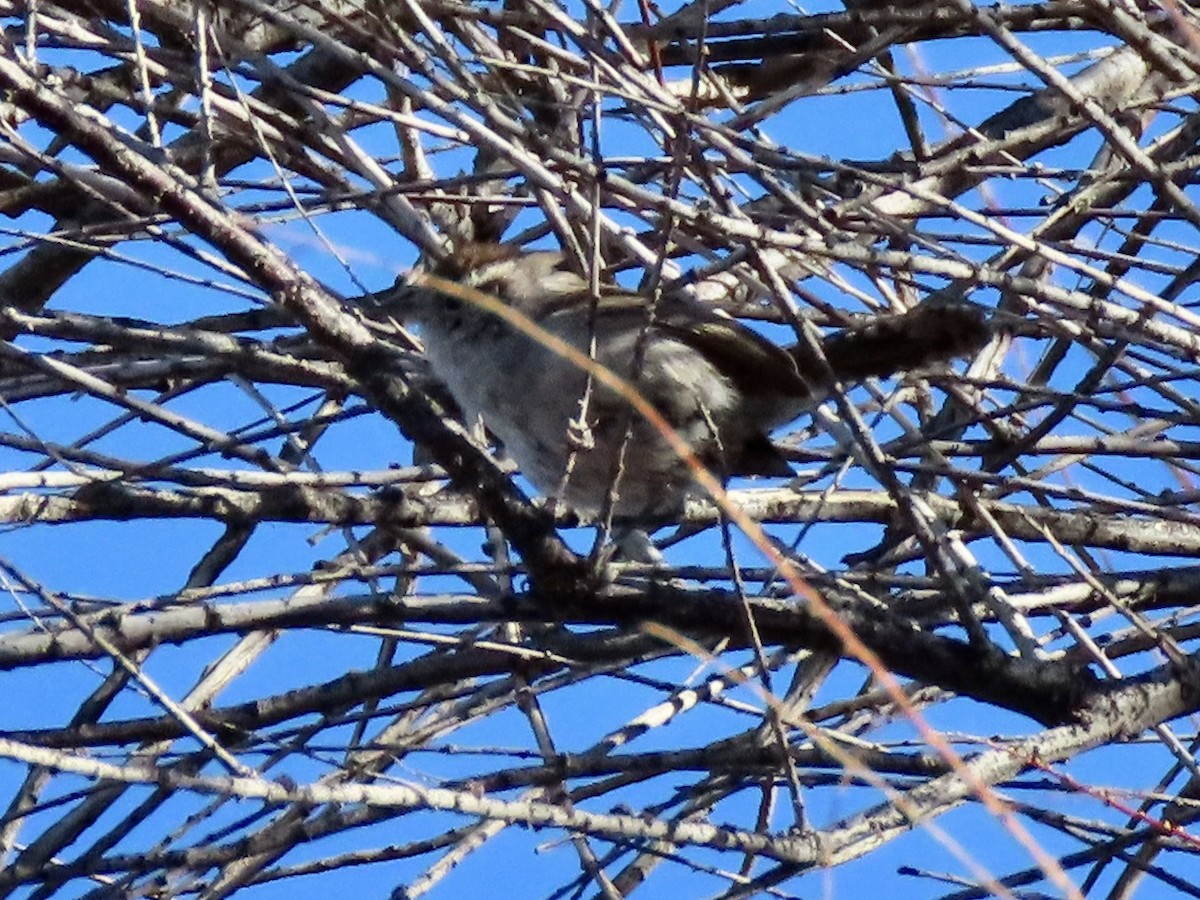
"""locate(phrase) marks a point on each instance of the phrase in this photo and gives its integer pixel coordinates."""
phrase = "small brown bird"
(720, 385)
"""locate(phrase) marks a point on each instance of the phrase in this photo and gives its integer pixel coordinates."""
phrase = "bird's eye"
(494, 284)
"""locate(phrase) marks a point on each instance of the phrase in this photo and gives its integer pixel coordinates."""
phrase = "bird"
(720, 385)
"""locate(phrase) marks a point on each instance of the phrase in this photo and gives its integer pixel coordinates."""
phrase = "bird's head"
(527, 280)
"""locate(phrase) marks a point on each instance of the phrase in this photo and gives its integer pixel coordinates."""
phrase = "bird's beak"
(401, 299)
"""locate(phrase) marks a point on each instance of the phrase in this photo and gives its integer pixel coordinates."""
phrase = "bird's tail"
(895, 343)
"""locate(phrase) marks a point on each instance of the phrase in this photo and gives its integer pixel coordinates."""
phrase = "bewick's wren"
(721, 386)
